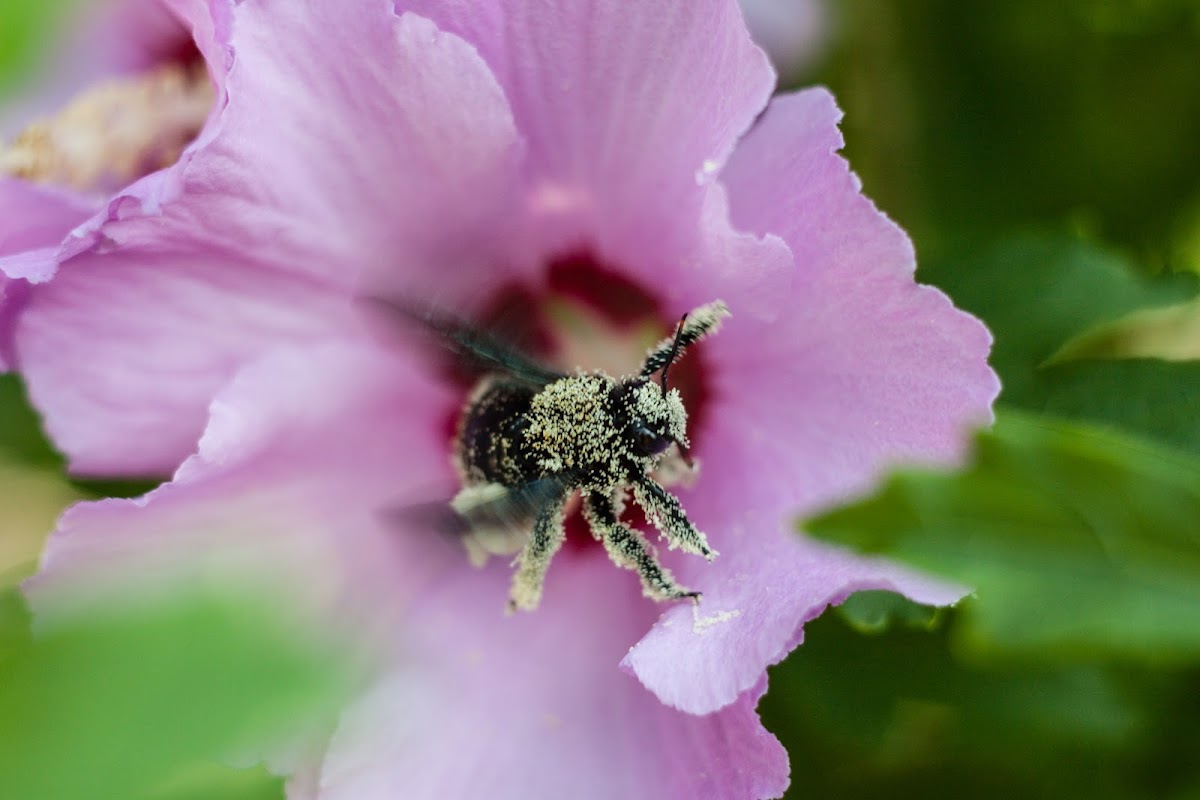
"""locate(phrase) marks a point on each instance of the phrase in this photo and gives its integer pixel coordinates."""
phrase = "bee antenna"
(673, 353)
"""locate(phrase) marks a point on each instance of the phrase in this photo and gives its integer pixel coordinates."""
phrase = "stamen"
(114, 132)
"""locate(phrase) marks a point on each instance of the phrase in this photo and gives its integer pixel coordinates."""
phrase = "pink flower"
(451, 151)
(99, 136)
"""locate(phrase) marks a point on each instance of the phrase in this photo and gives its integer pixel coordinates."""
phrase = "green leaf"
(1039, 296)
(1153, 397)
(875, 611)
(128, 702)
(1037, 292)
(1076, 539)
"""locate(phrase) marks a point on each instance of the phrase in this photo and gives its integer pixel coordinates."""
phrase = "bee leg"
(664, 511)
(547, 536)
(628, 549)
(697, 324)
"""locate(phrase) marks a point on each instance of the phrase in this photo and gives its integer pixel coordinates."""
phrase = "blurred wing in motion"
(489, 519)
(481, 350)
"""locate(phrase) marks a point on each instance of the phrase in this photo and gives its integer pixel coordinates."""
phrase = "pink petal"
(402, 158)
(153, 32)
(137, 35)
(161, 28)
(628, 109)
(123, 352)
(867, 369)
(306, 453)
(757, 596)
(12, 301)
(533, 706)
(33, 220)
(119, 37)
(399, 177)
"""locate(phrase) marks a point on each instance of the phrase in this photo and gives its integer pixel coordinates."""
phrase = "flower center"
(116, 131)
(588, 316)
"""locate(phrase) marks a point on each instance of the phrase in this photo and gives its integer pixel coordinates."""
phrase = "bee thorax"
(571, 428)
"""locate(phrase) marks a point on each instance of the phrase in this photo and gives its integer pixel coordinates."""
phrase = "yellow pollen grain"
(115, 131)
(568, 423)
(652, 404)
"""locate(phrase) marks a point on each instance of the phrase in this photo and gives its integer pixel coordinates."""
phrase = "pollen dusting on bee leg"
(665, 513)
(628, 549)
(545, 540)
(707, 318)
(699, 323)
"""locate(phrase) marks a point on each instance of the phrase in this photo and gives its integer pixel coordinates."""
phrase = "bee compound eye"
(648, 443)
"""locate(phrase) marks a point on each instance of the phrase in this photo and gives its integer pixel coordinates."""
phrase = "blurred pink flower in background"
(794, 33)
(101, 39)
(101, 131)
(452, 151)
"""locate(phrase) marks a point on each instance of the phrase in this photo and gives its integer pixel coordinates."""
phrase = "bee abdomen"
(491, 443)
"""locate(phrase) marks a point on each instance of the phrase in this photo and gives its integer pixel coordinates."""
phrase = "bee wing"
(486, 512)
(482, 350)
(493, 505)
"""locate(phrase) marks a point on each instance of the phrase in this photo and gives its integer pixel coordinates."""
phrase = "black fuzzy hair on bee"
(530, 437)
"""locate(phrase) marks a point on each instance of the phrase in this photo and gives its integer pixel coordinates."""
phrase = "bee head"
(652, 420)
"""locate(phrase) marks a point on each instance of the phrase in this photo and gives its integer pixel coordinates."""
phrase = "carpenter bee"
(530, 437)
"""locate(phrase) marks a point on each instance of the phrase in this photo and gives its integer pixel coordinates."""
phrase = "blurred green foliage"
(21, 436)
(25, 28)
(1077, 541)
(1073, 670)
(1039, 294)
(146, 700)
(876, 611)
(1040, 291)
(906, 713)
(1044, 159)
(965, 119)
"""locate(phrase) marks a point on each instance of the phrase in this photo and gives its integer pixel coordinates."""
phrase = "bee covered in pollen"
(529, 438)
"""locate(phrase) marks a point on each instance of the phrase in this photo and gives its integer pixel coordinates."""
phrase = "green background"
(1044, 157)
